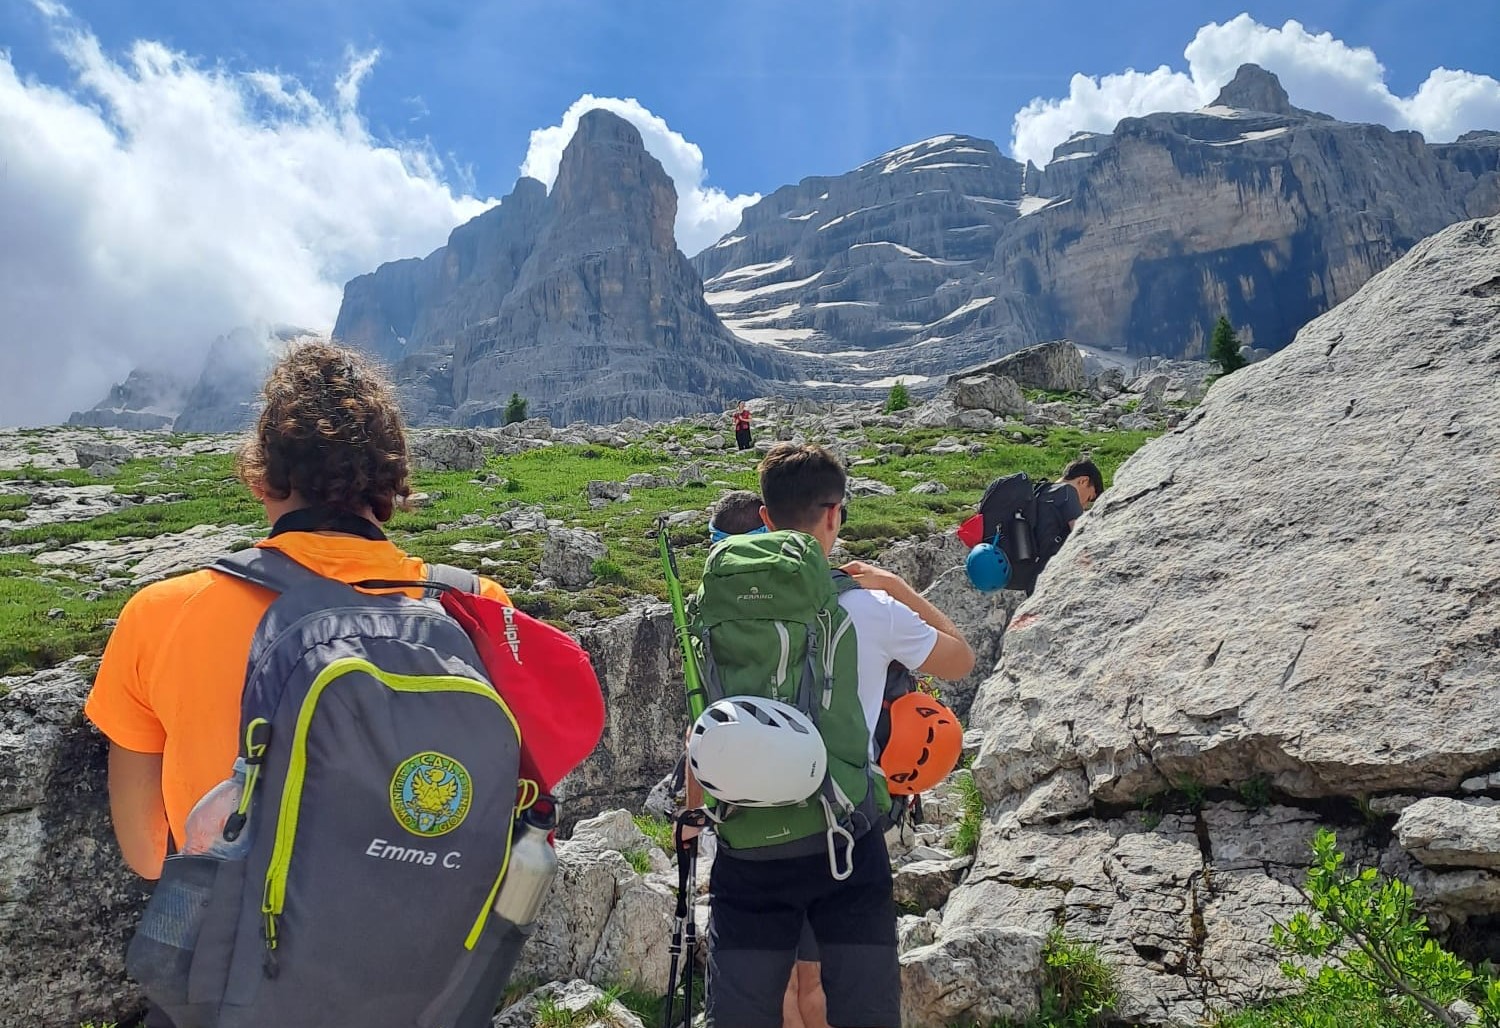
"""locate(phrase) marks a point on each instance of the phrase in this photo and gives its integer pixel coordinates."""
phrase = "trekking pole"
(684, 942)
(690, 677)
(686, 849)
(675, 949)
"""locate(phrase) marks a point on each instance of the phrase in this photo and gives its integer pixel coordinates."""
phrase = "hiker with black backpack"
(335, 757)
(1021, 524)
(795, 661)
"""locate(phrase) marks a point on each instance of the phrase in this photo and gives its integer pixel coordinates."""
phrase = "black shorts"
(758, 911)
(807, 945)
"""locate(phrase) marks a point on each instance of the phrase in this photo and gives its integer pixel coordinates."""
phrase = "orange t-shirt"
(174, 668)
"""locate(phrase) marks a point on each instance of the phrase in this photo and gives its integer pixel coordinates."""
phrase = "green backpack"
(767, 622)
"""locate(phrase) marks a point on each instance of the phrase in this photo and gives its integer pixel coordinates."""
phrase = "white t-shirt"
(887, 630)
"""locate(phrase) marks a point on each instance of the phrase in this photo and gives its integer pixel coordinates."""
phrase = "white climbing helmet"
(750, 751)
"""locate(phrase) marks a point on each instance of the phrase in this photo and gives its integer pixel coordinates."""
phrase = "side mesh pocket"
(210, 968)
(164, 952)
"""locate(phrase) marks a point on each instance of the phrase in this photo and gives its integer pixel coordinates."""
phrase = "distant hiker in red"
(742, 426)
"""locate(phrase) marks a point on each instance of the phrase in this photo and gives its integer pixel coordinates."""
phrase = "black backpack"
(1019, 518)
(1009, 510)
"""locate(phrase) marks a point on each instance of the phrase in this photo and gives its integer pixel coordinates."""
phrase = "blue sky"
(771, 91)
(171, 170)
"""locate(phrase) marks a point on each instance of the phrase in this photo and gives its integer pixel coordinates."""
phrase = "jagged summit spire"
(1255, 89)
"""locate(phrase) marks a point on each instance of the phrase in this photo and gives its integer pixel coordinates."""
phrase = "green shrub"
(658, 829)
(639, 860)
(1373, 960)
(1193, 792)
(1224, 347)
(1078, 987)
(515, 409)
(606, 570)
(898, 398)
(1256, 792)
(971, 813)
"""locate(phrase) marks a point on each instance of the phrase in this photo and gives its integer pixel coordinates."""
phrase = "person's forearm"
(930, 614)
(136, 809)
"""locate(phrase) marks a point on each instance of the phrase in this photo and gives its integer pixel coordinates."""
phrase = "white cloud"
(1319, 72)
(156, 203)
(704, 213)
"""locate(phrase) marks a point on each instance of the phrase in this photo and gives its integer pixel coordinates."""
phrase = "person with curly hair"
(328, 461)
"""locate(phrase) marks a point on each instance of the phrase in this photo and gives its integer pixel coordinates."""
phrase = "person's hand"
(870, 577)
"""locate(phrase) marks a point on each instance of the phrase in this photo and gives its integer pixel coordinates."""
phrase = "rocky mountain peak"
(604, 164)
(601, 126)
(1255, 89)
(528, 190)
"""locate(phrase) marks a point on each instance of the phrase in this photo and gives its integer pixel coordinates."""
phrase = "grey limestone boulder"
(95, 451)
(972, 975)
(1443, 832)
(568, 556)
(585, 1006)
(1226, 613)
(67, 903)
(1056, 367)
(447, 451)
(994, 393)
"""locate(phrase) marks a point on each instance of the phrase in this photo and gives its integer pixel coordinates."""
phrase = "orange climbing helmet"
(925, 743)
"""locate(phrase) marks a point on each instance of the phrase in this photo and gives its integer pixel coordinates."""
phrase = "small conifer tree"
(515, 410)
(898, 398)
(1224, 347)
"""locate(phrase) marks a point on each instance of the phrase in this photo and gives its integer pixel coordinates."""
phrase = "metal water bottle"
(533, 865)
(1021, 539)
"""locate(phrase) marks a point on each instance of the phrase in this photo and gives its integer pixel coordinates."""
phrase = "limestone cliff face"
(1270, 216)
(945, 253)
(870, 259)
(579, 301)
(408, 306)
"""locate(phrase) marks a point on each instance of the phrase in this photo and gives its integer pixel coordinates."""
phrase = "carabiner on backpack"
(836, 834)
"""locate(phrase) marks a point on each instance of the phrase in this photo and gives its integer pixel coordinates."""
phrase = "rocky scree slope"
(1283, 614)
(944, 252)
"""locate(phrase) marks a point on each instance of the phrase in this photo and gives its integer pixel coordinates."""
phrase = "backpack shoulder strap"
(456, 578)
(843, 582)
(267, 568)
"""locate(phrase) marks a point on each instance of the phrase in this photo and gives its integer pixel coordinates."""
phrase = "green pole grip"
(690, 676)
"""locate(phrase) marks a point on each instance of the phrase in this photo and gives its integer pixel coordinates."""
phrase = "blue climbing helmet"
(988, 567)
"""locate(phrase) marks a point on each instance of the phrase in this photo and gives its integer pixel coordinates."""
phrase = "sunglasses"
(843, 507)
(716, 535)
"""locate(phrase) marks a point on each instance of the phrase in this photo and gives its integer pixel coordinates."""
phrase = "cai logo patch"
(430, 794)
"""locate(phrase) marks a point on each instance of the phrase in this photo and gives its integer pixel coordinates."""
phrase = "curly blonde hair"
(331, 432)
